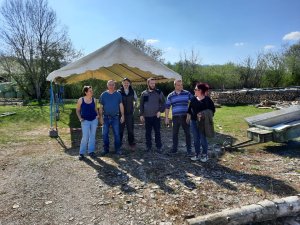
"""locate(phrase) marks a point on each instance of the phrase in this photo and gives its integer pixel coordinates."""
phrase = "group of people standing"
(116, 110)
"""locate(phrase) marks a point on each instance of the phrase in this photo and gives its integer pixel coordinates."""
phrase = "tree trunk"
(262, 211)
(38, 92)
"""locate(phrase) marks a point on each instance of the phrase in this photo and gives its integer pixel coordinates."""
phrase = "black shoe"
(133, 145)
(159, 150)
(104, 153)
(172, 152)
(189, 154)
(119, 153)
(81, 157)
(93, 155)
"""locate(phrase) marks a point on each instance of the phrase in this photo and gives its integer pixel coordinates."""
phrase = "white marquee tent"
(114, 61)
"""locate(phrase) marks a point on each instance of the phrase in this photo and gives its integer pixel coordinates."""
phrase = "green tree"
(292, 59)
(221, 76)
(31, 37)
(275, 69)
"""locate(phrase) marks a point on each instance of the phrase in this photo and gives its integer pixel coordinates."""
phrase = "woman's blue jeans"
(114, 122)
(88, 139)
(199, 139)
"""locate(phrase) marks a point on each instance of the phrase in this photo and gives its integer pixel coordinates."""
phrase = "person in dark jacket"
(129, 99)
(87, 114)
(199, 103)
(151, 106)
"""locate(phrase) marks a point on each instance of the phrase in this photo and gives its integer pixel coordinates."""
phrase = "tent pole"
(57, 113)
(51, 105)
(52, 132)
(61, 97)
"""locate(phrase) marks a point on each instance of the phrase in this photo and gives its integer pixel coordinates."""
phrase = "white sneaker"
(195, 158)
(204, 159)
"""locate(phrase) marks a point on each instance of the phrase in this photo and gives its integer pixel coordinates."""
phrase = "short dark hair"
(203, 87)
(126, 79)
(149, 79)
(85, 89)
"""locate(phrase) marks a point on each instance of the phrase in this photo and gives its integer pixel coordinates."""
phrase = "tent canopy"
(114, 61)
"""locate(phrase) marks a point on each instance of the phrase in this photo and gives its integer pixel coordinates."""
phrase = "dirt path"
(44, 183)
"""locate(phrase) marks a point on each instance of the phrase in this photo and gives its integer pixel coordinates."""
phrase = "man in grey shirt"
(151, 106)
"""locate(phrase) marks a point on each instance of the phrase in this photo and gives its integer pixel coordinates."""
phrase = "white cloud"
(269, 47)
(239, 44)
(294, 36)
(152, 41)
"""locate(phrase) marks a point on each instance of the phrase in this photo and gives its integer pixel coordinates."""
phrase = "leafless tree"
(31, 36)
(148, 49)
(251, 71)
(189, 66)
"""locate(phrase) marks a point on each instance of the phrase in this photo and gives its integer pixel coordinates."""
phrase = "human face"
(111, 86)
(198, 92)
(151, 85)
(126, 84)
(178, 86)
(89, 93)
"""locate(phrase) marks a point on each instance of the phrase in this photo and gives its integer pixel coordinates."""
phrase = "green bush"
(10, 94)
(75, 90)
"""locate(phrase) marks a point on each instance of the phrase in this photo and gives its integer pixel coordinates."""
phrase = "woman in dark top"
(198, 104)
(87, 114)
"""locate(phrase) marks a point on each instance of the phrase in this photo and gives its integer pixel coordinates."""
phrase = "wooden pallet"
(7, 114)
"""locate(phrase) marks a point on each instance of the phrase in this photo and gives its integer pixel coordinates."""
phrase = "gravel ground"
(43, 182)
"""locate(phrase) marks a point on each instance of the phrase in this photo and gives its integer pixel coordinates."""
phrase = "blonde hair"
(110, 81)
(177, 80)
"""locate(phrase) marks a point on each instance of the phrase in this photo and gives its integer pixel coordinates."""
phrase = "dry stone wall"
(255, 96)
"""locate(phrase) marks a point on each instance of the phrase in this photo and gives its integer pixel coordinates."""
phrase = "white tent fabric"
(114, 61)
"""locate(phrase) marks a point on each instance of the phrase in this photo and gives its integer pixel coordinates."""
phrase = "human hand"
(199, 116)
(122, 119)
(167, 121)
(158, 114)
(188, 119)
(142, 119)
(101, 120)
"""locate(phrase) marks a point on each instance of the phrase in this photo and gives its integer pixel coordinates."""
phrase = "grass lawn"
(228, 119)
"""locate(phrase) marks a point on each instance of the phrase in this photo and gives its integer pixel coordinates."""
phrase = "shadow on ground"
(159, 169)
(289, 149)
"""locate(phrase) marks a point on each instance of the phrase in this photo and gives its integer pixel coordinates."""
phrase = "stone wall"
(255, 96)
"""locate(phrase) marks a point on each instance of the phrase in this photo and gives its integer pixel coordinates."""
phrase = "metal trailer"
(278, 126)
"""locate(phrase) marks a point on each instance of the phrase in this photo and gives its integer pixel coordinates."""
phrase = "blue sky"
(219, 31)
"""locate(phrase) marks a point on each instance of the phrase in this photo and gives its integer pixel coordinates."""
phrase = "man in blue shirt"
(110, 107)
(179, 100)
